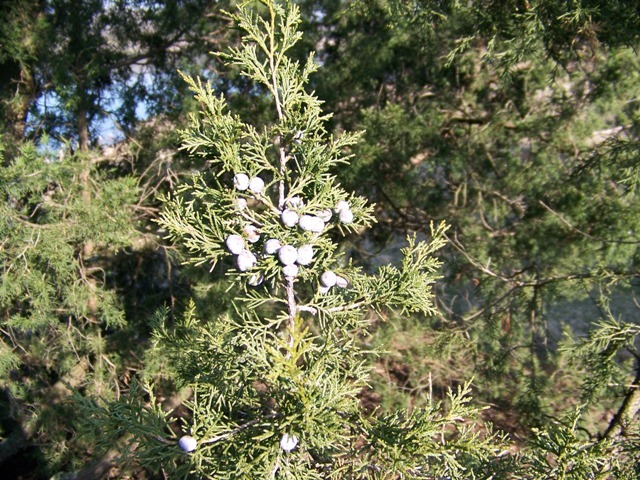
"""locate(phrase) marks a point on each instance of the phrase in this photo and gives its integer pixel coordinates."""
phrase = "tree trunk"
(19, 94)
(627, 411)
(85, 177)
(82, 123)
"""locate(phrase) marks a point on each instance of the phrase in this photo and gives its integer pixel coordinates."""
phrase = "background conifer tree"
(60, 313)
(518, 126)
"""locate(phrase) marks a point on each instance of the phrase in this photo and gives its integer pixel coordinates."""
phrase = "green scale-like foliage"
(46, 220)
(55, 307)
(276, 381)
(492, 115)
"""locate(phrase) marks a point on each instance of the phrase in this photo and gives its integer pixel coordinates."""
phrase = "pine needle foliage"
(56, 309)
(276, 380)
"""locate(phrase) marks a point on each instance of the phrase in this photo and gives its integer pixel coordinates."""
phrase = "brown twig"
(627, 411)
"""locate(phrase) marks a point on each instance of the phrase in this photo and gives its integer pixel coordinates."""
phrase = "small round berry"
(256, 280)
(271, 246)
(256, 185)
(288, 254)
(235, 244)
(241, 181)
(305, 255)
(242, 204)
(246, 260)
(290, 271)
(289, 218)
(323, 290)
(288, 442)
(325, 215)
(328, 279)
(342, 205)
(252, 233)
(311, 223)
(295, 202)
(188, 443)
(346, 216)
(341, 282)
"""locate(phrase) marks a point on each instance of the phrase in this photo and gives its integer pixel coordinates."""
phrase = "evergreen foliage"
(519, 30)
(310, 348)
(57, 309)
(276, 380)
(528, 154)
(70, 68)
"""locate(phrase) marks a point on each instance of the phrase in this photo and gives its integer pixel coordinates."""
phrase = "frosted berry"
(256, 185)
(241, 181)
(325, 215)
(252, 233)
(342, 205)
(288, 442)
(188, 443)
(323, 290)
(271, 246)
(290, 270)
(328, 279)
(305, 255)
(295, 202)
(246, 260)
(341, 282)
(311, 223)
(256, 280)
(289, 218)
(235, 244)
(346, 216)
(242, 204)
(288, 254)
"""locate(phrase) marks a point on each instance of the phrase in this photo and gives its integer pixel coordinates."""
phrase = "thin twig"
(583, 233)
(238, 429)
